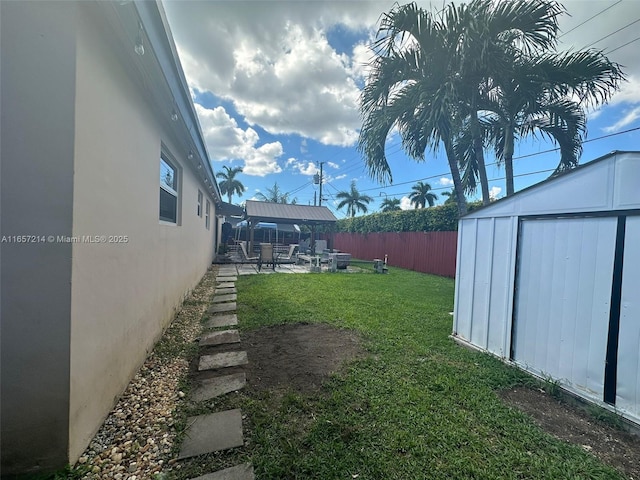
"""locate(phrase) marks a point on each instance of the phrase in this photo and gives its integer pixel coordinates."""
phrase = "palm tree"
(421, 195)
(410, 88)
(390, 205)
(274, 195)
(490, 34)
(229, 185)
(451, 197)
(537, 99)
(353, 200)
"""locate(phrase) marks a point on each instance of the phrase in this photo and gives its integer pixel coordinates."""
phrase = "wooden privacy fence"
(426, 252)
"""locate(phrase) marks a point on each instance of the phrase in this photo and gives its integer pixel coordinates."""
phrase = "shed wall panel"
(465, 278)
(628, 379)
(563, 296)
(501, 286)
(481, 282)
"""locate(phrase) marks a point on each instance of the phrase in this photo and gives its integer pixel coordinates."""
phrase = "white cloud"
(304, 168)
(227, 141)
(274, 62)
(405, 204)
(494, 192)
(445, 182)
(629, 117)
(333, 165)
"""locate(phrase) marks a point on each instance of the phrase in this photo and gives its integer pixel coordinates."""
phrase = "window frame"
(199, 208)
(174, 190)
(207, 217)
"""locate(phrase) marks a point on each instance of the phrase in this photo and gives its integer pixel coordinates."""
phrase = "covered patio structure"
(288, 214)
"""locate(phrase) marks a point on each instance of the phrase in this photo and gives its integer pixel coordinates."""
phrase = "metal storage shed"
(549, 279)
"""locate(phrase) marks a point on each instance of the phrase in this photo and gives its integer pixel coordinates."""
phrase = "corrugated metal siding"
(628, 380)
(486, 277)
(563, 295)
(426, 252)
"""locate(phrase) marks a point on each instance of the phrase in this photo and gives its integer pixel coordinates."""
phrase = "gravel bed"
(136, 439)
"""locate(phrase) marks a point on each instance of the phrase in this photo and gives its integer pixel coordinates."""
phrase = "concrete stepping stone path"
(220, 338)
(223, 360)
(228, 297)
(226, 285)
(239, 472)
(215, 387)
(211, 433)
(222, 307)
(226, 320)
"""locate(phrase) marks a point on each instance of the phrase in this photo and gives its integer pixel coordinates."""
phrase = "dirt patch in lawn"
(300, 356)
(614, 447)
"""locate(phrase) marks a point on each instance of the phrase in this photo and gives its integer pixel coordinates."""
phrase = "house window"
(168, 191)
(206, 214)
(199, 203)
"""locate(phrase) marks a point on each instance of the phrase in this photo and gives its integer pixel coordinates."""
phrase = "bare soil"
(611, 445)
(299, 356)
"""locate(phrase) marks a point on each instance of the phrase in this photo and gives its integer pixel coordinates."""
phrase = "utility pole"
(320, 201)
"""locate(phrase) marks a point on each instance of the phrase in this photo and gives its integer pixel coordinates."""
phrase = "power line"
(624, 45)
(589, 19)
(612, 33)
(519, 157)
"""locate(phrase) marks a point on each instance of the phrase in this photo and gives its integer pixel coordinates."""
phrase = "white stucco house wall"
(109, 214)
(549, 280)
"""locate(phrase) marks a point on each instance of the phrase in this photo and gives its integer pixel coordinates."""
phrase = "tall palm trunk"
(478, 149)
(508, 159)
(457, 181)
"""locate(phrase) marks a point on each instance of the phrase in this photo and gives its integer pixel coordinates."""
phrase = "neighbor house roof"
(288, 213)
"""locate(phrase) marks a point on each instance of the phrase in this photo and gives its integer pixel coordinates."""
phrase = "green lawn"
(417, 407)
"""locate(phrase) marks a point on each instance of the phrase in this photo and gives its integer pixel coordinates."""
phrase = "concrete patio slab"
(226, 285)
(227, 320)
(222, 307)
(211, 433)
(219, 338)
(228, 297)
(224, 291)
(222, 360)
(215, 387)
(239, 472)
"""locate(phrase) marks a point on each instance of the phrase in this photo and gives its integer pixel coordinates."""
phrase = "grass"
(416, 407)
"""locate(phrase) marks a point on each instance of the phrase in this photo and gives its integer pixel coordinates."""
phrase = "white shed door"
(628, 378)
(563, 292)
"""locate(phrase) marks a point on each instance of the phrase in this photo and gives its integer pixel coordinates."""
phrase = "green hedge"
(443, 218)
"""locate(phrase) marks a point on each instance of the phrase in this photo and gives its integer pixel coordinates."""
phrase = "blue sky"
(276, 86)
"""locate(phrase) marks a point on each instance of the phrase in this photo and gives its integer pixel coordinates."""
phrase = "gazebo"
(286, 213)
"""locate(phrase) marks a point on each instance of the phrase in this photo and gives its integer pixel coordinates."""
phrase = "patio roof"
(288, 213)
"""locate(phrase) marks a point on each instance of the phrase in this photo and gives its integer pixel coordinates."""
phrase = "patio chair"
(245, 256)
(266, 256)
(290, 257)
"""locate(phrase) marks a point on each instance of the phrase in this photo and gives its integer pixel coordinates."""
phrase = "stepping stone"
(229, 297)
(239, 472)
(231, 278)
(225, 285)
(211, 433)
(222, 307)
(219, 338)
(214, 387)
(228, 320)
(224, 291)
(227, 272)
(222, 360)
